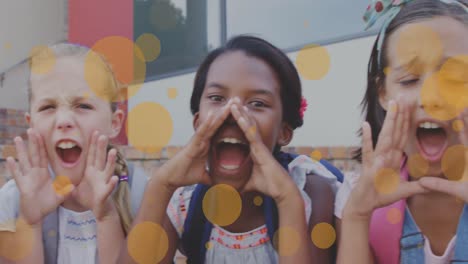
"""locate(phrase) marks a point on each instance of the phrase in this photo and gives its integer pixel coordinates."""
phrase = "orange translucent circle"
(316, 155)
(149, 127)
(417, 165)
(394, 216)
(222, 205)
(323, 235)
(286, 241)
(17, 245)
(150, 46)
(313, 62)
(43, 60)
(147, 242)
(386, 181)
(209, 245)
(433, 102)
(453, 162)
(458, 125)
(419, 49)
(172, 93)
(258, 200)
(125, 60)
(62, 185)
(453, 82)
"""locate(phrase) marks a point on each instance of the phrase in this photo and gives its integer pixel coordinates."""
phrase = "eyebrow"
(254, 91)
(415, 60)
(72, 99)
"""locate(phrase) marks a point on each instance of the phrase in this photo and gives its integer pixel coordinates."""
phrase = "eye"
(85, 106)
(46, 107)
(409, 82)
(216, 98)
(257, 104)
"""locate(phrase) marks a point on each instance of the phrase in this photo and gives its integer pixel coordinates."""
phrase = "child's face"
(231, 75)
(65, 112)
(417, 76)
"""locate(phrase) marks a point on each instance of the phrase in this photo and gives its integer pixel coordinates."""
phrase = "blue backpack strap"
(194, 238)
(50, 237)
(461, 254)
(339, 176)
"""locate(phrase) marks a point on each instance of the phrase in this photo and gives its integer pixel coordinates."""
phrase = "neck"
(73, 205)
(251, 215)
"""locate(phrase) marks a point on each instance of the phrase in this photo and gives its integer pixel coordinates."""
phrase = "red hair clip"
(303, 107)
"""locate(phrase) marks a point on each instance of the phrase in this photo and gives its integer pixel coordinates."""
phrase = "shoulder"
(178, 207)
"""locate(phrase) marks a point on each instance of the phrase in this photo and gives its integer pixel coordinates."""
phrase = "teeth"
(231, 141)
(230, 167)
(66, 145)
(429, 125)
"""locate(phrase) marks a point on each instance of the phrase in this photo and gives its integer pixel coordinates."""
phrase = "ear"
(286, 134)
(27, 117)
(196, 120)
(117, 121)
(383, 98)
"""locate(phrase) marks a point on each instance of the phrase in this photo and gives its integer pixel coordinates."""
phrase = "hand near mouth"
(98, 180)
(458, 189)
(268, 176)
(379, 183)
(39, 194)
(189, 165)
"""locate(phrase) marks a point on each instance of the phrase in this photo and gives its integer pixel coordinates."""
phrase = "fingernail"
(246, 108)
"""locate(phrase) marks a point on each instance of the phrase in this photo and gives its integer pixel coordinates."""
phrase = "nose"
(64, 120)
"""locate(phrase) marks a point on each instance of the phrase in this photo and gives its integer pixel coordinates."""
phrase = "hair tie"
(123, 178)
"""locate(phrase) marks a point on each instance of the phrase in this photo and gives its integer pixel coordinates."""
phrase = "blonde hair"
(112, 92)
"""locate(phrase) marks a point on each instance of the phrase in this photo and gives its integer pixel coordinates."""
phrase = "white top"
(77, 231)
(78, 237)
(342, 197)
(253, 246)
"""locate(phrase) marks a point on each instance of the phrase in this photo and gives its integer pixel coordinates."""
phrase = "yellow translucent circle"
(386, 181)
(222, 205)
(453, 82)
(258, 200)
(209, 245)
(286, 241)
(15, 246)
(458, 125)
(164, 16)
(387, 71)
(453, 162)
(115, 56)
(147, 242)
(417, 165)
(52, 233)
(306, 24)
(150, 46)
(433, 102)
(62, 185)
(316, 155)
(43, 60)
(172, 93)
(323, 235)
(253, 130)
(313, 62)
(8, 45)
(393, 108)
(149, 127)
(419, 49)
(394, 216)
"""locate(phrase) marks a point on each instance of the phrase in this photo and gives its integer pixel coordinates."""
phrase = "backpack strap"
(50, 237)
(384, 237)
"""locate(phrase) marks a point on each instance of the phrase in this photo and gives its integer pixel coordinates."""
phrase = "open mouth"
(432, 140)
(68, 151)
(231, 153)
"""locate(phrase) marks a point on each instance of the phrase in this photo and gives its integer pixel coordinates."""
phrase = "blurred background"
(324, 38)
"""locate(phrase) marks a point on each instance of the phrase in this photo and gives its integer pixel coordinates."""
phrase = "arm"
(294, 242)
(322, 196)
(109, 235)
(22, 246)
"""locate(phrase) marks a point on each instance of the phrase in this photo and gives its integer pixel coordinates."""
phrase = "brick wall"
(12, 123)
